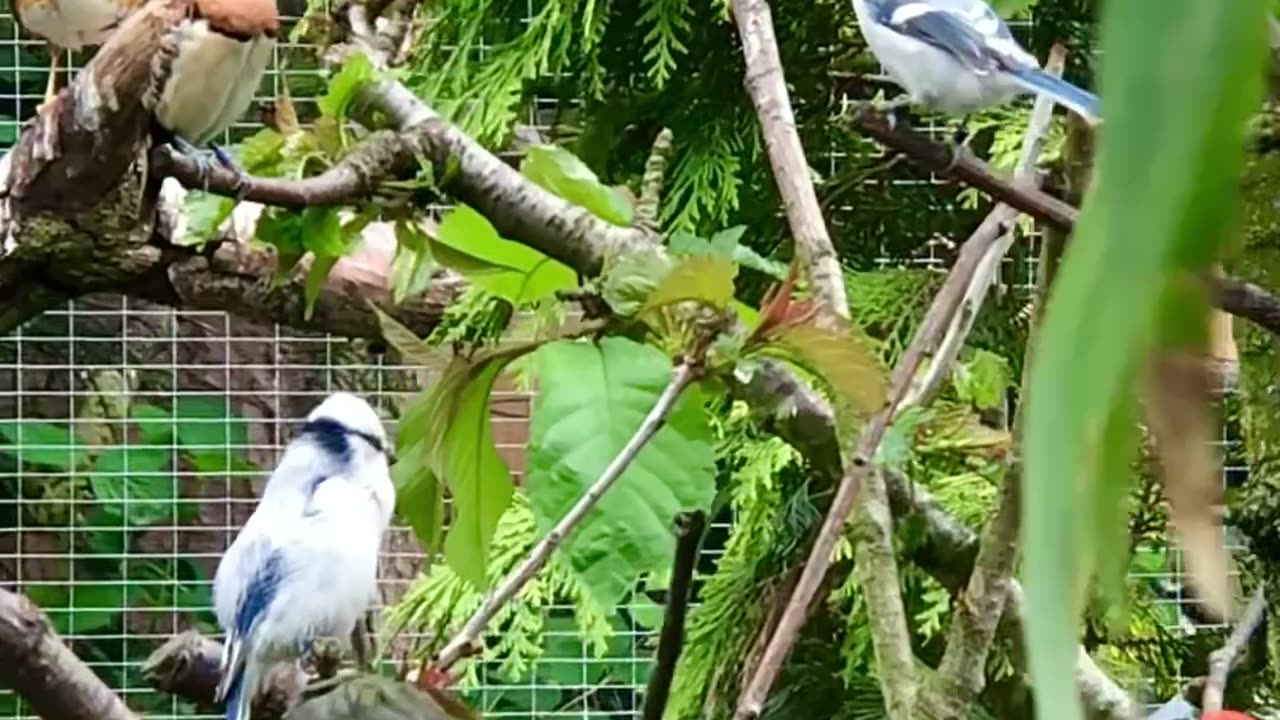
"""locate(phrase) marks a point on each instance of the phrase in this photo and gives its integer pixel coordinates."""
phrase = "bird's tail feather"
(1083, 102)
(238, 700)
(232, 658)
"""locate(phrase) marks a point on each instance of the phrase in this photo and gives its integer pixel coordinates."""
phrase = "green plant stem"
(467, 639)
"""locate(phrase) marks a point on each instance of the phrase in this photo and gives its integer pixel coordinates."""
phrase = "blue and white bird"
(305, 564)
(958, 57)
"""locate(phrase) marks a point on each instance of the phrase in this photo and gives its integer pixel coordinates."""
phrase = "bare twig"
(469, 636)
(932, 380)
(655, 174)
(819, 560)
(1258, 305)
(689, 532)
(39, 667)
(962, 165)
(1246, 300)
(767, 86)
(384, 155)
(1221, 660)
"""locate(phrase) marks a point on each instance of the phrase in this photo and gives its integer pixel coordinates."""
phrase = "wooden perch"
(49, 676)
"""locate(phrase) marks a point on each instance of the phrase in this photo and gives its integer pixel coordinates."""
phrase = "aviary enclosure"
(560, 242)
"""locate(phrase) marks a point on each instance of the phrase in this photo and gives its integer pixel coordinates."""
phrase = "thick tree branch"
(518, 209)
(37, 665)
(767, 86)
(235, 278)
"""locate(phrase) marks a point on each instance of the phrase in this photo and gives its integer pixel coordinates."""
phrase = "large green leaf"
(446, 433)
(42, 443)
(1178, 86)
(419, 496)
(131, 484)
(562, 173)
(468, 243)
(591, 400)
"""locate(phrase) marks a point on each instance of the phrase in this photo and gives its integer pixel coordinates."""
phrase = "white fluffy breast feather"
(328, 541)
(211, 81)
(331, 566)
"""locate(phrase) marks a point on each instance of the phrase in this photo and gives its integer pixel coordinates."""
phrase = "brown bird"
(71, 25)
(209, 68)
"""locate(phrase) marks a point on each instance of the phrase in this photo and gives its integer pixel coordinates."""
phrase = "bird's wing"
(968, 30)
(259, 590)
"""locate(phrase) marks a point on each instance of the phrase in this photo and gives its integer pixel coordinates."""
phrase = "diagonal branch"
(767, 86)
(931, 381)
(464, 642)
(874, 554)
(1221, 660)
(819, 560)
(976, 613)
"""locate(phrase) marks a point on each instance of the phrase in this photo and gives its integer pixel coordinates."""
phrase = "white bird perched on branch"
(958, 57)
(305, 564)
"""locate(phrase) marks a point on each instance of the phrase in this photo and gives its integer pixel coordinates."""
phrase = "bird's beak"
(391, 456)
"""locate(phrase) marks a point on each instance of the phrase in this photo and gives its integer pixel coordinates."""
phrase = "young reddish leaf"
(839, 354)
(779, 309)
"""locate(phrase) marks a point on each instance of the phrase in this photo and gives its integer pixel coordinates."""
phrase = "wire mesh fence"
(136, 437)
